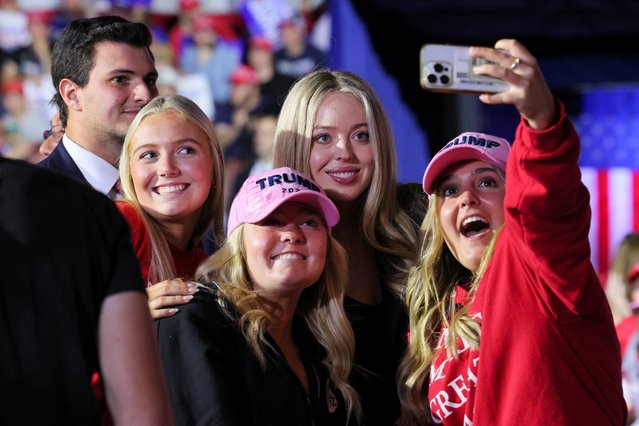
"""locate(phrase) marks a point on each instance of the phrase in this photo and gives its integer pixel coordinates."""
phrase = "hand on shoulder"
(165, 295)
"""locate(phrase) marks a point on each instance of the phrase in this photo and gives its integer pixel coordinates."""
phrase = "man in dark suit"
(73, 302)
(103, 73)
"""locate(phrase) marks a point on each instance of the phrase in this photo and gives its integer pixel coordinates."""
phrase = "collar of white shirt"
(100, 174)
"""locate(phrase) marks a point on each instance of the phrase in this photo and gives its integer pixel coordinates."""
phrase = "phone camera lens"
(438, 67)
(444, 79)
(432, 78)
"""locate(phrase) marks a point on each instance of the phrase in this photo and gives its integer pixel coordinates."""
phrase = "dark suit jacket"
(60, 160)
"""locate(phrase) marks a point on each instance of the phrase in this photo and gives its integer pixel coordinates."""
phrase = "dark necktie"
(116, 192)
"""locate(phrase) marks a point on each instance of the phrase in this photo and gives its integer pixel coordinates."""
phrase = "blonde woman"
(333, 128)
(266, 341)
(508, 320)
(171, 171)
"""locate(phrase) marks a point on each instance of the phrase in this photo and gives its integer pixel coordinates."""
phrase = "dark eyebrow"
(172, 143)
(126, 71)
(353, 127)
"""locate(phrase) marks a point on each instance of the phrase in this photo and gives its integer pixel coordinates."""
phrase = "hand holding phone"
(449, 68)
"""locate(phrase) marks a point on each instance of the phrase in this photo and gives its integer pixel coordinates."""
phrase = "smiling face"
(171, 167)
(286, 252)
(341, 159)
(471, 210)
(121, 82)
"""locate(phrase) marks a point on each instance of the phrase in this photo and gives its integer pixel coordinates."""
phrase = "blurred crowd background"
(230, 57)
(199, 46)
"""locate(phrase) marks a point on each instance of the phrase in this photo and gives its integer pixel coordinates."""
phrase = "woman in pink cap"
(266, 340)
(509, 323)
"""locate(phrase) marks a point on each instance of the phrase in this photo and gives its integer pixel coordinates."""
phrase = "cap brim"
(314, 199)
(460, 153)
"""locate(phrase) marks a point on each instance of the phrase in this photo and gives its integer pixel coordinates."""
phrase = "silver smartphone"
(449, 68)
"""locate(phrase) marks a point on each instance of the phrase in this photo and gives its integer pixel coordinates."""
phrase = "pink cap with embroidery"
(262, 193)
(465, 147)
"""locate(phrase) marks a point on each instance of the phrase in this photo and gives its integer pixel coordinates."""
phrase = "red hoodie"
(549, 354)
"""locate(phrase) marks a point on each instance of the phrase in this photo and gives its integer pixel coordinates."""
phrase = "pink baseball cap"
(262, 193)
(467, 146)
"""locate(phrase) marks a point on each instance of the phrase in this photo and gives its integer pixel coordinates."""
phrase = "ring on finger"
(515, 64)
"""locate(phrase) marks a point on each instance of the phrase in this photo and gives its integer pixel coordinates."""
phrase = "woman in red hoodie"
(509, 323)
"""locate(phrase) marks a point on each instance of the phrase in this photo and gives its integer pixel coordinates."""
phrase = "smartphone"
(449, 68)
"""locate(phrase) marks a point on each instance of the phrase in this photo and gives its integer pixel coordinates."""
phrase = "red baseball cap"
(244, 74)
(261, 43)
(264, 192)
(203, 23)
(188, 5)
(13, 85)
(633, 273)
(295, 20)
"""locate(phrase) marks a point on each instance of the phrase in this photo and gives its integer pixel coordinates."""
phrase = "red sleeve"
(139, 237)
(548, 208)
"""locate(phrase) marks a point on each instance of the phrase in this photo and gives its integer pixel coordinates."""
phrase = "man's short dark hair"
(73, 54)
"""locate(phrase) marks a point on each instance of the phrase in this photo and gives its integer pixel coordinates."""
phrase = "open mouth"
(474, 225)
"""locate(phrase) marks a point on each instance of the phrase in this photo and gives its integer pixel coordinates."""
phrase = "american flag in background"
(608, 126)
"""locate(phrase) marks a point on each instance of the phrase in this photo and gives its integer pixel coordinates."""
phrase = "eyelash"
(151, 82)
(449, 190)
(362, 136)
(359, 137)
(149, 154)
(322, 138)
(273, 221)
(190, 150)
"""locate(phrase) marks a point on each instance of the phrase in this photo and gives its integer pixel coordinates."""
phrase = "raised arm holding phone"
(509, 323)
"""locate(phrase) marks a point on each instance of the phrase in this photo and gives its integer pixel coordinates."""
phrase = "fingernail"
(187, 298)
(192, 288)
(173, 310)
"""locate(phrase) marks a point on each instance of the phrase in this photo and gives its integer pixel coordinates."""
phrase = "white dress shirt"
(100, 174)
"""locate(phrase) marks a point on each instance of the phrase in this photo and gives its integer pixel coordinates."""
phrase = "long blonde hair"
(430, 300)
(212, 211)
(320, 305)
(386, 227)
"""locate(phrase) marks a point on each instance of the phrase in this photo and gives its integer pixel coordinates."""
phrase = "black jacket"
(215, 379)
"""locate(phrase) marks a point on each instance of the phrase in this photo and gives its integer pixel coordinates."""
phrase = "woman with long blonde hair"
(508, 320)
(171, 172)
(333, 128)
